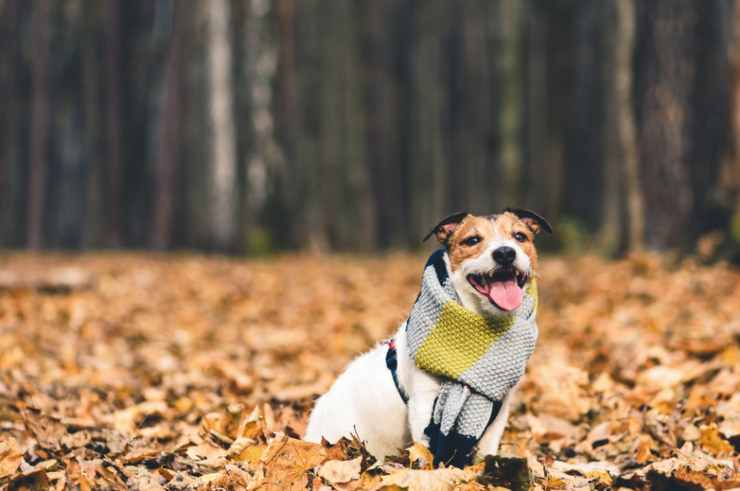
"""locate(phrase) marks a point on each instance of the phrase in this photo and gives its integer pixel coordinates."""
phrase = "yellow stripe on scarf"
(460, 338)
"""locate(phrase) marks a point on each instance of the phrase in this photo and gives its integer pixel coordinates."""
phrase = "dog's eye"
(471, 241)
(520, 237)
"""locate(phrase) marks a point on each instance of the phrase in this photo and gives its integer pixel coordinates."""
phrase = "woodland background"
(259, 125)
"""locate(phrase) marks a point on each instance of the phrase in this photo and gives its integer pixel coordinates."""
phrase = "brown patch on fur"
(469, 227)
(494, 227)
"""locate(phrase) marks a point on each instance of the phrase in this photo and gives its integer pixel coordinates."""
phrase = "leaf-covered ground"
(185, 372)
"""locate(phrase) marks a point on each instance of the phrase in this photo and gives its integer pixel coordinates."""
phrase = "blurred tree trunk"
(65, 196)
(263, 160)
(585, 122)
(346, 196)
(329, 182)
(360, 226)
(429, 166)
(382, 119)
(300, 222)
(709, 122)
(667, 68)
(474, 46)
(536, 115)
(735, 115)
(10, 165)
(547, 103)
(114, 203)
(622, 205)
(626, 131)
(193, 218)
(167, 155)
(510, 119)
(223, 151)
(40, 121)
(91, 102)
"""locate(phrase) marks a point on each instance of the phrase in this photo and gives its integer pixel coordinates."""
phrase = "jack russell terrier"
(446, 377)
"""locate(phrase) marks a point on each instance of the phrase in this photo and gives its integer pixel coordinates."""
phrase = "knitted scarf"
(480, 358)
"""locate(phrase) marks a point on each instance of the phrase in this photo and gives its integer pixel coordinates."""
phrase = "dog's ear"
(534, 221)
(444, 228)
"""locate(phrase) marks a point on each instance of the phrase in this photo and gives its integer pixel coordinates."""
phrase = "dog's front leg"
(491, 438)
(421, 402)
(420, 413)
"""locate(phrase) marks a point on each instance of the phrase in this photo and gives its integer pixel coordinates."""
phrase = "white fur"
(364, 400)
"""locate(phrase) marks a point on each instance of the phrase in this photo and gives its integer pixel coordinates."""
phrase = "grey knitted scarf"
(481, 359)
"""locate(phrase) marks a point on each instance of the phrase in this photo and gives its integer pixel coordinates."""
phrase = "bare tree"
(626, 131)
(429, 166)
(510, 116)
(223, 149)
(381, 121)
(266, 158)
(167, 144)
(114, 203)
(622, 206)
(665, 137)
(40, 119)
(92, 81)
(735, 107)
(9, 158)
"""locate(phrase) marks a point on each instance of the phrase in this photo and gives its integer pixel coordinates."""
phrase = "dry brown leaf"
(712, 441)
(421, 480)
(341, 471)
(128, 420)
(11, 456)
(157, 371)
(595, 473)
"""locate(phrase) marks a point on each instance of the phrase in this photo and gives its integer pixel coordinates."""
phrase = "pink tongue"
(506, 294)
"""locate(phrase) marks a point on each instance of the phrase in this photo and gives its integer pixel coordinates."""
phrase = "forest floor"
(126, 371)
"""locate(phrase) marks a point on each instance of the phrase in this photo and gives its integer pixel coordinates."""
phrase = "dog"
(383, 397)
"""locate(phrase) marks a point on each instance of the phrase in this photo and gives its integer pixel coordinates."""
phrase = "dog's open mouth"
(504, 287)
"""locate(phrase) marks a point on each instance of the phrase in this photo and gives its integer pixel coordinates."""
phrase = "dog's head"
(491, 258)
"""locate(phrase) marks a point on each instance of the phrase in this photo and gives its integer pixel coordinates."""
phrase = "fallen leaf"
(11, 456)
(341, 471)
(420, 480)
(713, 443)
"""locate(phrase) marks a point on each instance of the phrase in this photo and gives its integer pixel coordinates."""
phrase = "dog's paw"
(419, 455)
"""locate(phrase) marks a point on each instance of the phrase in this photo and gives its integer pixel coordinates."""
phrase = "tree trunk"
(664, 135)
(10, 166)
(264, 159)
(91, 81)
(167, 155)
(114, 203)
(510, 116)
(223, 150)
(710, 121)
(626, 132)
(300, 222)
(735, 115)
(344, 187)
(475, 46)
(622, 203)
(381, 121)
(541, 179)
(429, 167)
(585, 115)
(40, 119)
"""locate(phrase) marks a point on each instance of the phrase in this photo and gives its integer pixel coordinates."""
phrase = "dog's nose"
(504, 255)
